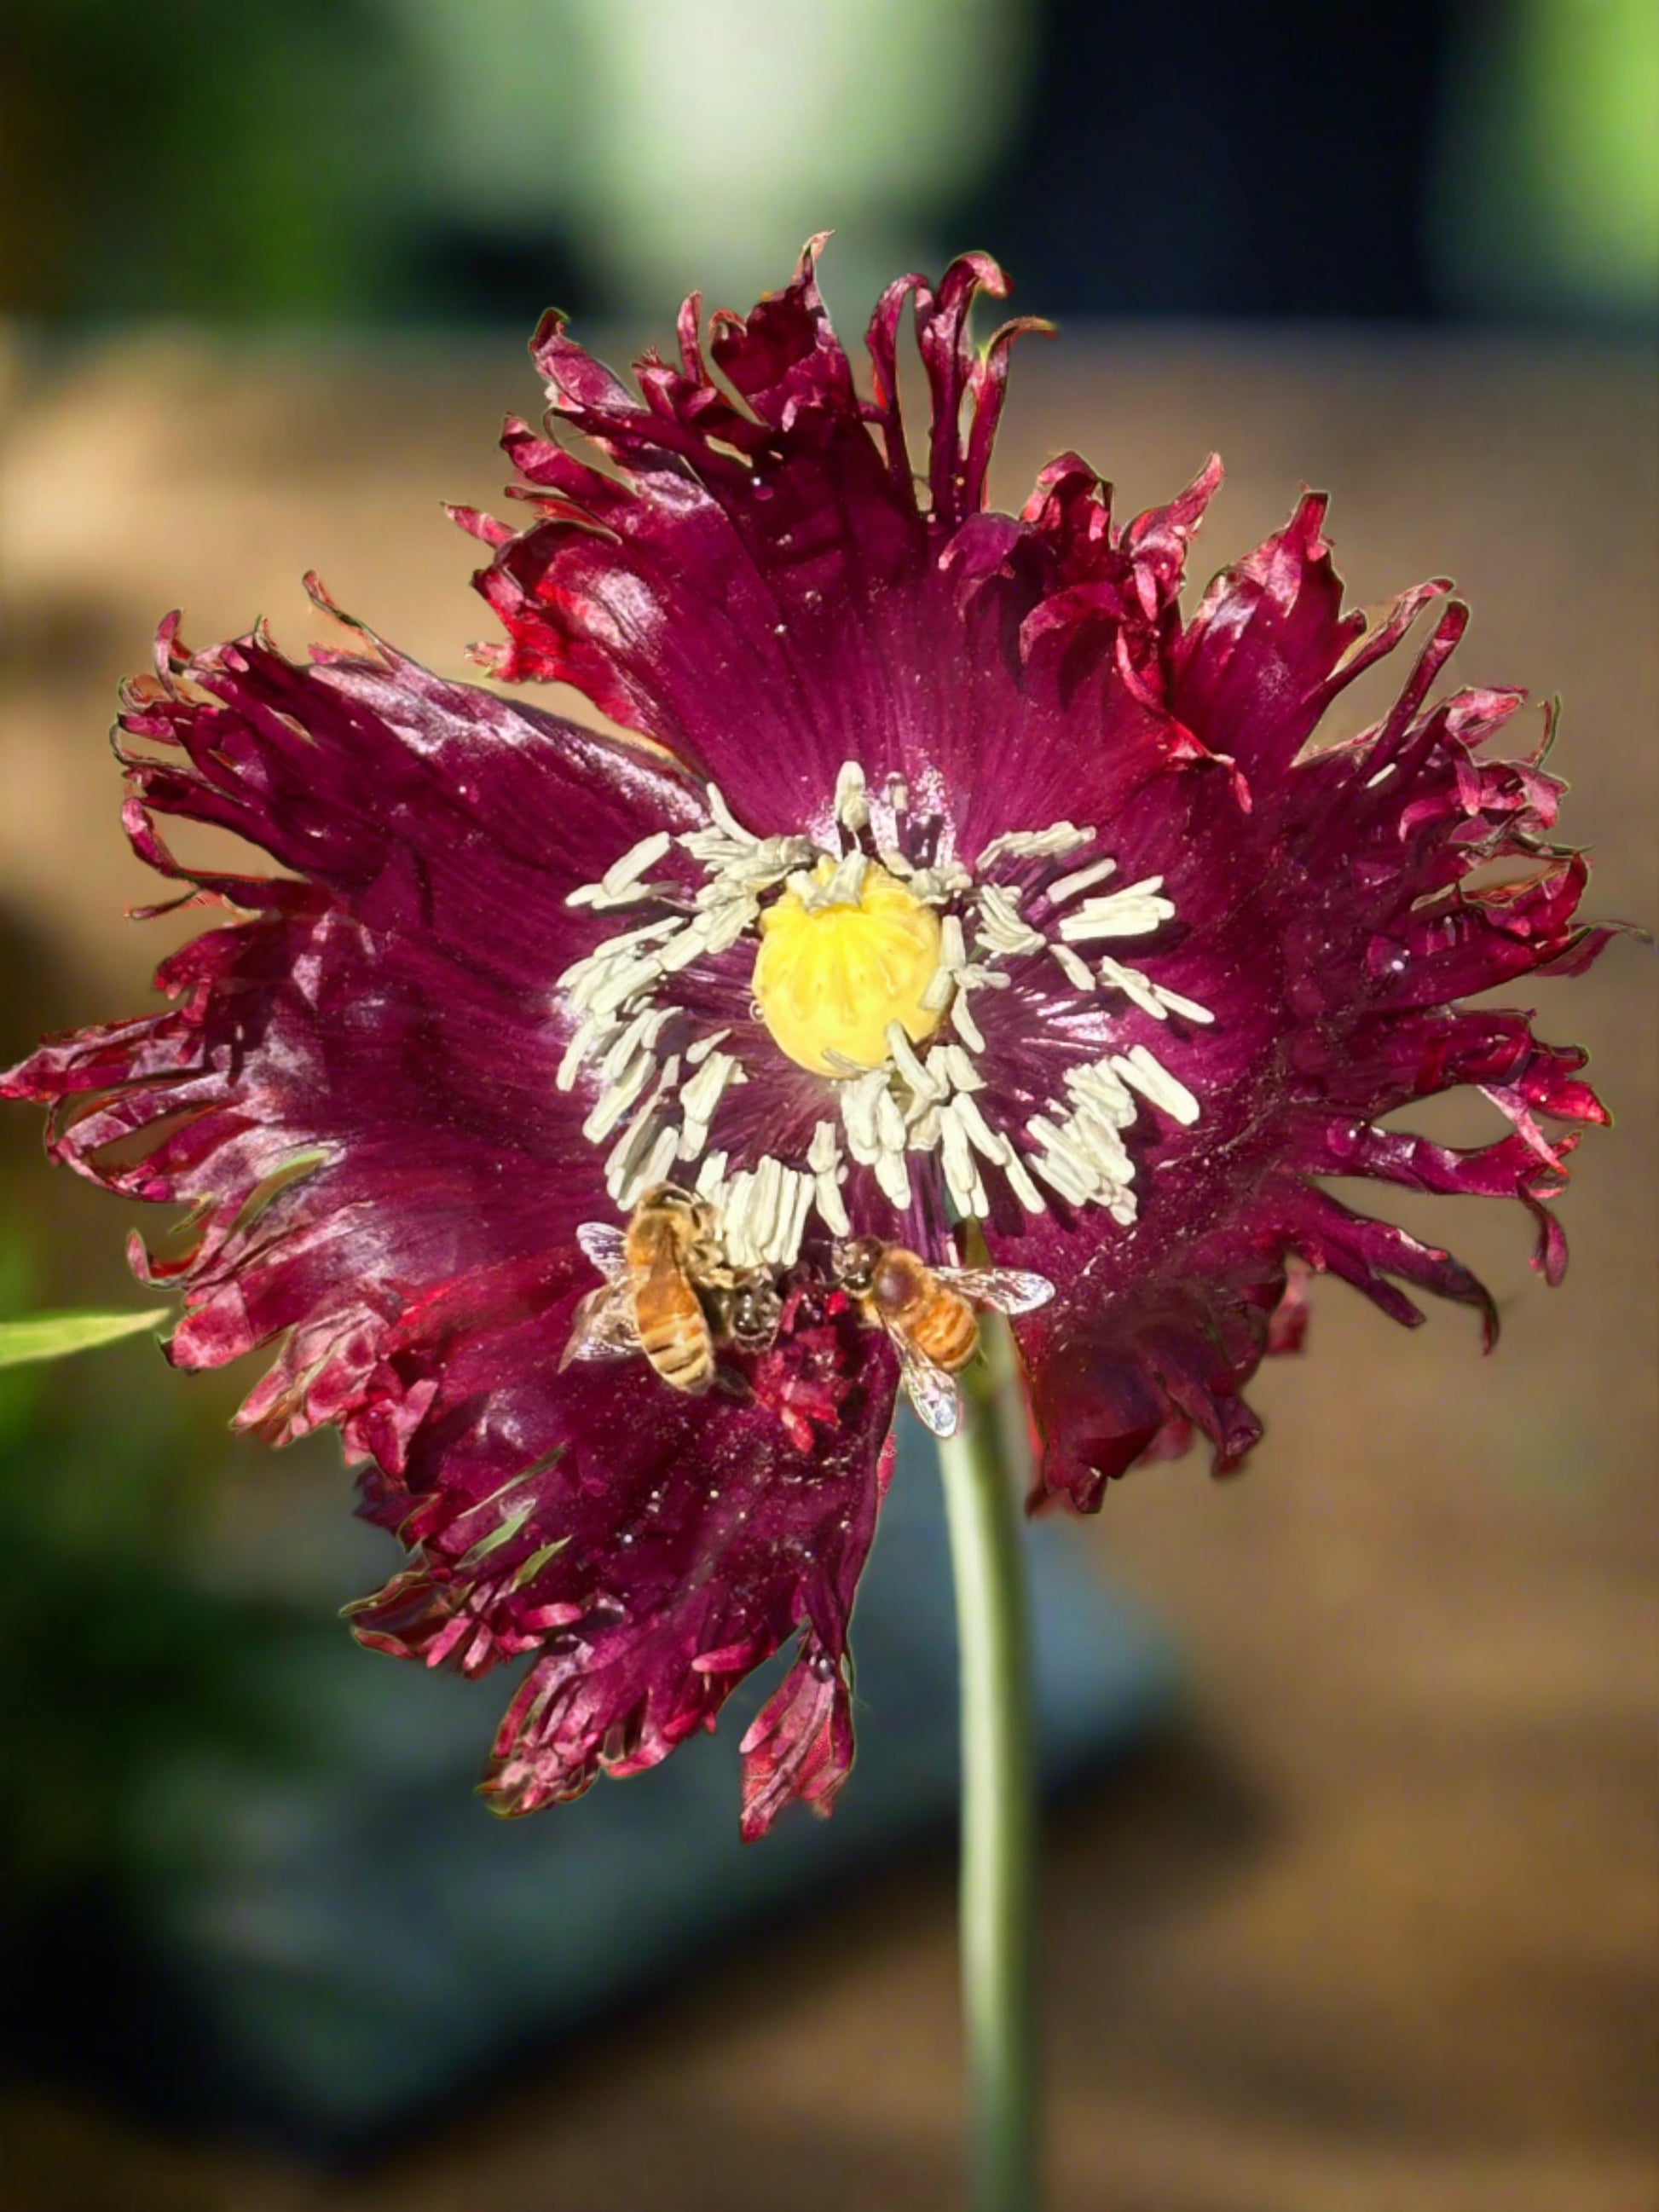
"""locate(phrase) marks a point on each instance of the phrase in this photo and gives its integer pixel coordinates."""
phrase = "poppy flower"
(941, 883)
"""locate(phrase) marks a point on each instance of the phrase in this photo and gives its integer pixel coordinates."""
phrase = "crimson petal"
(762, 590)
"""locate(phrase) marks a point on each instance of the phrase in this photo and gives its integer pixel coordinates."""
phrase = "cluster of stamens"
(868, 960)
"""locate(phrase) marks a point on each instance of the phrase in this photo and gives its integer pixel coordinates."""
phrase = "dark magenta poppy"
(960, 882)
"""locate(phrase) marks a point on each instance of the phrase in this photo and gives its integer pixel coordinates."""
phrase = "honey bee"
(928, 1312)
(670, 1292)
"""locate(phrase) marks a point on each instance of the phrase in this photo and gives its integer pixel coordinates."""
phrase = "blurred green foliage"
(247, 163)
(1548, 190)
(361, 162)
(115, 1653)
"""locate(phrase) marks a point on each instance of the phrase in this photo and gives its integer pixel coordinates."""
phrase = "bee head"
(755, 1311)
(698, 1225)
(854, 1261)
(670, 1198)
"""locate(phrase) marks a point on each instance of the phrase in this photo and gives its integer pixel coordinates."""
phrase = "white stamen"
(1177, 1005)
(737, 1206)
(1020, 1183)
(832, 1206)
(1001, 925)
(1097, 1079)
(925, 1131)
(844, 886)
(701, 1095)
(728, 923)
(1135, 987)
(961, 1175)
(614, 950)
(1153, 998)
(894, 1177)
(695, 1054)
(786, 1241)
(768, 1195)
(1097, 1139)
(964, 1073)
(614, 1102)
(574, 1054)
(966, 1027)
(956, 1158)
(634, 863)
(622, 1166)
(588, 978)
(633, 975)
(661, 1159)
(641, 1033)
(907, 1063)
(600, 900)
(594, 895)
(984, 1138)
(857, 1099)
(1062, 1143)
(714, 849)
(1059, 1175)
(947, 880)
(687, 944)
(823, 1157)
(1155, 1082)
(953, 957)
(728, 821)
(1069, 886)
(1075, 968)
(852, 801)
(620, 1159)
(1133, 912)
(1036, 844)
(890, 1122)
(710, 1175)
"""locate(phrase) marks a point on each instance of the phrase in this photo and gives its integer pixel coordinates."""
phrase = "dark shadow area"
(1210, 160)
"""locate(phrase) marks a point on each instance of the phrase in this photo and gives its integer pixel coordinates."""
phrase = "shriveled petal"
(765, 591)
(1330, 928)
(799, 1746)
(653, 1548)
(353, 1091)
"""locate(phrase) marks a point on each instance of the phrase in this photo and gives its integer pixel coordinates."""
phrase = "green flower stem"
(981, 1467)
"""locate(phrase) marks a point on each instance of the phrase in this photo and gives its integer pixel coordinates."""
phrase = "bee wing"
(603, 1327)
(930, 1389)
(604, 1244)
(1009, 1289)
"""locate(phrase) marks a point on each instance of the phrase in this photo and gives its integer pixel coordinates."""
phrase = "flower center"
(871, 967)
(845, 953)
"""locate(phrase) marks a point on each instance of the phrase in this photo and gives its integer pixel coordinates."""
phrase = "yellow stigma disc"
(829, 978)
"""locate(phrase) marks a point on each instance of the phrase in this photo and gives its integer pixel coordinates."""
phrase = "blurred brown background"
(1373, 1925)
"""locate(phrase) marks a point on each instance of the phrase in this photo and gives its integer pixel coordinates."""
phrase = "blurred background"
(1350, 1900)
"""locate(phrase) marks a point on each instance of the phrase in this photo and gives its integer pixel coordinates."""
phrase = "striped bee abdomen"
(947, 1330)
(673, 1330)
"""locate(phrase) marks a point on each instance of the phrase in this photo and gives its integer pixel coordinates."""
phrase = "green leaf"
(55, 1335)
